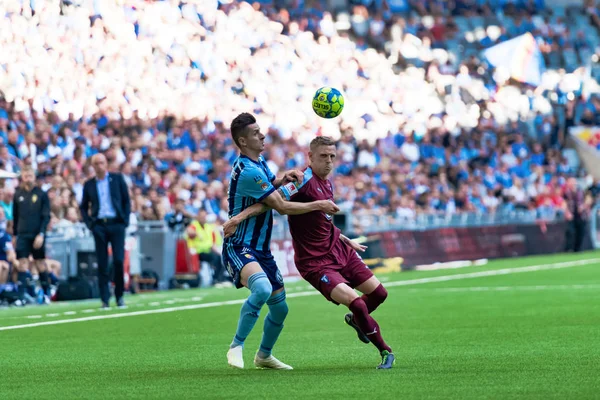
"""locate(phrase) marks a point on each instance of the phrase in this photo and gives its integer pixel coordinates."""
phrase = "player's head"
(246, 134)
(322, 154)
(28, 176)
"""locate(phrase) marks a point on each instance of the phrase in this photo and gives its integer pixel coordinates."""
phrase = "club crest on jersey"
(249, 256)
(325, 279)
(264, 186)
(34, 198)
(328, 217)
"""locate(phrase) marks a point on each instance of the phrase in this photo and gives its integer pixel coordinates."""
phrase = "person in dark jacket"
(31, 215)
(108, 217)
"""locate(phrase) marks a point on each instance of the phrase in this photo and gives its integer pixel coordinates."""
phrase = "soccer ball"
(328, 102)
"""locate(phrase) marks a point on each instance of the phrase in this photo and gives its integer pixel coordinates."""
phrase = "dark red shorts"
(342, 265)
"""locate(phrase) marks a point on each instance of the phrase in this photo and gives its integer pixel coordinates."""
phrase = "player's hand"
(293, 175)
(328, 207)
(229, 227)
(38, 242)
(356, 246)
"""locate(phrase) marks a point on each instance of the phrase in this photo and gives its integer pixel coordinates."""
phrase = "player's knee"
(381, 293)
(261, 288)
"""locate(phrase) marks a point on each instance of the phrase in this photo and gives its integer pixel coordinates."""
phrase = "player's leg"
(252, 276)
(273, 325)
(278, 310)
(344, 294)
(374, 294)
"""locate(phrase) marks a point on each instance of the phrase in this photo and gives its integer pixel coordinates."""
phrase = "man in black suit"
(107, 219)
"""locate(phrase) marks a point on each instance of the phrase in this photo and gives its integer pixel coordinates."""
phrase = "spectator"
(204, 240)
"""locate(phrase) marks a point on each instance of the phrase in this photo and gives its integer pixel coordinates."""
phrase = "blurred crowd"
(428, 127)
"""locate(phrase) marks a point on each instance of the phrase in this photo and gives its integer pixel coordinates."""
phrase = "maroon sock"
(375, 298)
(367, 324)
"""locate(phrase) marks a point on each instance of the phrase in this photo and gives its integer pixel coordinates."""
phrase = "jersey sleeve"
(253, 182)
(293, 189)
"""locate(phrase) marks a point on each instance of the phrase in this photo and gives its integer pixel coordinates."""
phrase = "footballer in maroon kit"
(324, 257)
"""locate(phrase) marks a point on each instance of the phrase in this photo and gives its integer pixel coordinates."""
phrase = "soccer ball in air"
(328, 102)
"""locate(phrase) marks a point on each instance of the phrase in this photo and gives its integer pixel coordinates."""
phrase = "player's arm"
(254, 183)
(276, 202)
(293, 175)
(230, 226)
(254, 210)
(353, 243)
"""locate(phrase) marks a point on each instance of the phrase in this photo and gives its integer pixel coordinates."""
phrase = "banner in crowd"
(587, 144)
(453, 244)
(587, 134)
(520, 57)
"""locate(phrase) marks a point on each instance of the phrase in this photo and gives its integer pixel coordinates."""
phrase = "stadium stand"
(429, 126)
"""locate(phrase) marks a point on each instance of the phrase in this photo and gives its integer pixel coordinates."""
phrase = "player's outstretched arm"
(354, 244)
(276, 202)
(293, 175)
(230, 226)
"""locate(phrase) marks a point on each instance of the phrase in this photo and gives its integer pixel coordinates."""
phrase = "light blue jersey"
(251, 182)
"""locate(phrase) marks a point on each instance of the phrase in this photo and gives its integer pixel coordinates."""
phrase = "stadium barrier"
(426, 240)
(153, 242)
(453, 244)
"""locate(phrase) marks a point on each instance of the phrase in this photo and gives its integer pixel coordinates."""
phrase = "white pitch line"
(495, 272)
(70, 312)
(505, 271)
(505, 288)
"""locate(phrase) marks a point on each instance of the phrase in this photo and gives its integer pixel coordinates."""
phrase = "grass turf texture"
(529, 335)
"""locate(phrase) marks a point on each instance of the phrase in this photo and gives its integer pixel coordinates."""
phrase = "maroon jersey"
(313, 234)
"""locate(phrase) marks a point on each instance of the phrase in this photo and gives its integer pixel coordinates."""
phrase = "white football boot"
(235, 357)
(269, 363)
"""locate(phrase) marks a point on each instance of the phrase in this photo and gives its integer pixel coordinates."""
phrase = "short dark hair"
(321, 141)
(239, 125)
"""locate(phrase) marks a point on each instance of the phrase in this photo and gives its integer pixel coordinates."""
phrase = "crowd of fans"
(428, 127)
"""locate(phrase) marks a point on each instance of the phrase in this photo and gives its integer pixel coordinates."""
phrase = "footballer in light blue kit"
(246, 254)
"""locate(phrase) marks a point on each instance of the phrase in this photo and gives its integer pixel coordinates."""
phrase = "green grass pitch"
(510, 333)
